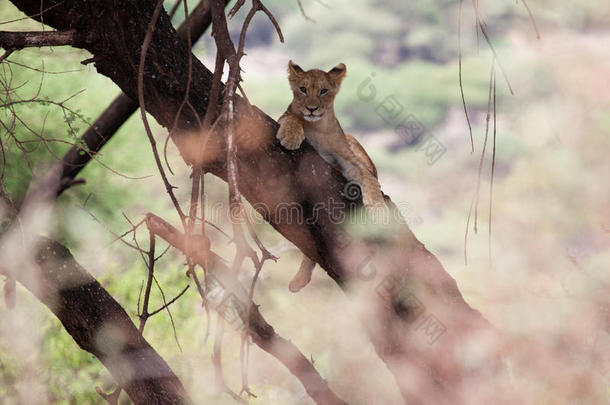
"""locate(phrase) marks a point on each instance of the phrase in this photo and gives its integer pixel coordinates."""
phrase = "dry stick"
(212, 111)
(493, 50)
(203, 221)
(487, 118)
(144, 314)
(244, 356)
(474, 201)
(217, 360)
(42, 70)
(151, 273)
(261, 332)
(300, 3)
(6, 54)
(226, 52)
(236, 8)
(197, 182)
(235, 204)
(256, 6)
(170, 302)
(225, 46)
(195, 194)
(151, 138)
(493, 169)
(27, 17)
(476, 28)
(187, 90)
(19, 40)
(196, 172)
(460, 75)
(466, 231)
(533, 20)
(174, 8)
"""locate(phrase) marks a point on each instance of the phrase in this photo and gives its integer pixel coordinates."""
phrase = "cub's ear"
(294, 69)
(337, 73)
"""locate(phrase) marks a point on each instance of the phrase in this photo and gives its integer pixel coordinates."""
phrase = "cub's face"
(314, 90)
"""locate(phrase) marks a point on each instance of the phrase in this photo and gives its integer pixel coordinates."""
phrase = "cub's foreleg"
(303, 277)
(291, 133)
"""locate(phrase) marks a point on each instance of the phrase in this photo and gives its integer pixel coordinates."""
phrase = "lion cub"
(311, 116)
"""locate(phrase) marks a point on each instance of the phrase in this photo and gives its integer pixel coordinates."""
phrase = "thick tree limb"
(403, 275)
(99, 325)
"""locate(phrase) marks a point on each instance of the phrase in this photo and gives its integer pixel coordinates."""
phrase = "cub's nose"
(312, 109)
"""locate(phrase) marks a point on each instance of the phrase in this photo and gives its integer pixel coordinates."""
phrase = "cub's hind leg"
(303, 277)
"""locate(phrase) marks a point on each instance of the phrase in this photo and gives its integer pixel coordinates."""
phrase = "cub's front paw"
(290, 135)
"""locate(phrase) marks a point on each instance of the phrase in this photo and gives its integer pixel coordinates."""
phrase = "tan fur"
(311, 116)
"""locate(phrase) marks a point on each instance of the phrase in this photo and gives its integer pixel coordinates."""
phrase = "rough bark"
(403, 276)
(100, 326)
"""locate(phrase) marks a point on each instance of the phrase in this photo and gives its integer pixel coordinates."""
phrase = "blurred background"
(546, 282)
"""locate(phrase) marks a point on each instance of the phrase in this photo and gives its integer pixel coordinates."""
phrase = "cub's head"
(314, 90)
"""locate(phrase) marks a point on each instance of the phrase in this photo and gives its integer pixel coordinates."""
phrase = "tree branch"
(99, 325)
(20, 40)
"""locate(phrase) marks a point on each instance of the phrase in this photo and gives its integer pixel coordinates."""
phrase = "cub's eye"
(303, 90)
(323, 92)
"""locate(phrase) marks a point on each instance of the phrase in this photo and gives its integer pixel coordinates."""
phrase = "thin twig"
(532, 19)
(481, 25)
(33, 15)
(151, 139)
(144, 315)
(305, 16)
(480, 171)
(170, 302)
(21, 39)
(460, 75)
(6, 54)
(493, 171)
